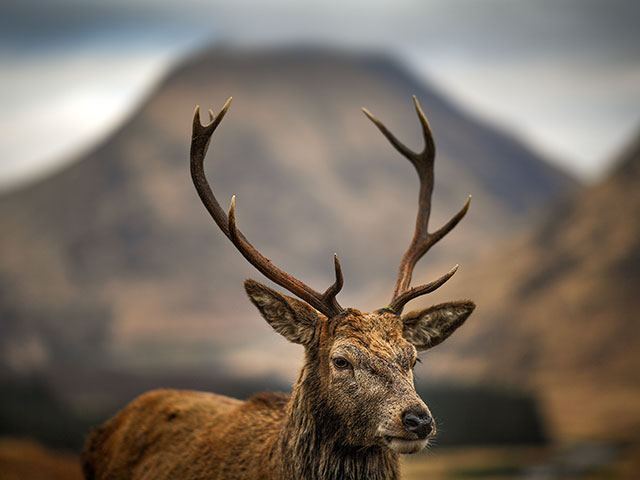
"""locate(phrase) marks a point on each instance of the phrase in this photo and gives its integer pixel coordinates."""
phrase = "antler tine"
(422, 240)
(333, 290)
(419, 160)
(398, 302)
(324, 302)
(199, 145)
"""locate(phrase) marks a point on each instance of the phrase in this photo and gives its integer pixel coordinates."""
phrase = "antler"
(324, 302)
(422, 239)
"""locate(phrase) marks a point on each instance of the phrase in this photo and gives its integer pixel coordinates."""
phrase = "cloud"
(70, 101)
(562, 74)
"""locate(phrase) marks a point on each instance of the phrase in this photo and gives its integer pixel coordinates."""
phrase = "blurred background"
(114, 280)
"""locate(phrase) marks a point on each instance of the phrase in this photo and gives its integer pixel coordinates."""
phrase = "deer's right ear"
(294, 319)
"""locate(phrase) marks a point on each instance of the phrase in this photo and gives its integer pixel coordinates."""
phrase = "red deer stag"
(354, 407)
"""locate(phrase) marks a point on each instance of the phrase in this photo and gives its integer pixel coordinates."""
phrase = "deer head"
(356, 386)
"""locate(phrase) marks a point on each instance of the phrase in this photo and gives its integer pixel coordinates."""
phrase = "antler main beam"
(324, 302)
(422, 240)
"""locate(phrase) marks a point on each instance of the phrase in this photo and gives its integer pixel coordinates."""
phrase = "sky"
(562, 75)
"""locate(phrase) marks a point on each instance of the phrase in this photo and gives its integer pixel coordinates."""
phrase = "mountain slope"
(558, 311)
(115, 260)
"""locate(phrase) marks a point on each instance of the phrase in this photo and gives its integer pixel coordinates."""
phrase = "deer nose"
(418, 421)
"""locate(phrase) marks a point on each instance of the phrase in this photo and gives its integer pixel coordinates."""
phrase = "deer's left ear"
(427, 328)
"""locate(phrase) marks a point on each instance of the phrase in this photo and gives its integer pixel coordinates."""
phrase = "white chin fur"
(401, 445)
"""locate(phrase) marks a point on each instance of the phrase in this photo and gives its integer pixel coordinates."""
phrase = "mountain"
(114, 262)
(558, 311)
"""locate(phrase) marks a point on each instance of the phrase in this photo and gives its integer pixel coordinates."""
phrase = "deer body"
(353, 409)
(174, 436)
(249, 439)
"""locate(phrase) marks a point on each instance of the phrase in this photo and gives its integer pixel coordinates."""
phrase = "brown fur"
(337, 424)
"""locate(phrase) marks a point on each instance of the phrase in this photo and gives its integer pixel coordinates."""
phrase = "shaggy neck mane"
(310, 445)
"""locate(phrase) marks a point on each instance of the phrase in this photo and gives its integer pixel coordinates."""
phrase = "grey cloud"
(594, 39)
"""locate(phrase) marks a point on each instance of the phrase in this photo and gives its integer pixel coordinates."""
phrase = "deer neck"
(310, 442)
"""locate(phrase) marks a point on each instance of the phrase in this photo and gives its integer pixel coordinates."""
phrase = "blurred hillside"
(114, 264)
(558, 311)
(26, 460)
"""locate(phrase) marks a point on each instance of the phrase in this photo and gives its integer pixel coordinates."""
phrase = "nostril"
(411, 420)
(418, 422)
(428, 420)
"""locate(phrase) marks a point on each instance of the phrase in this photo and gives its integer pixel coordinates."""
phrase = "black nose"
(418, 421)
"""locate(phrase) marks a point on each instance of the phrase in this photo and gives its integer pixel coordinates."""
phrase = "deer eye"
(341, 363)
